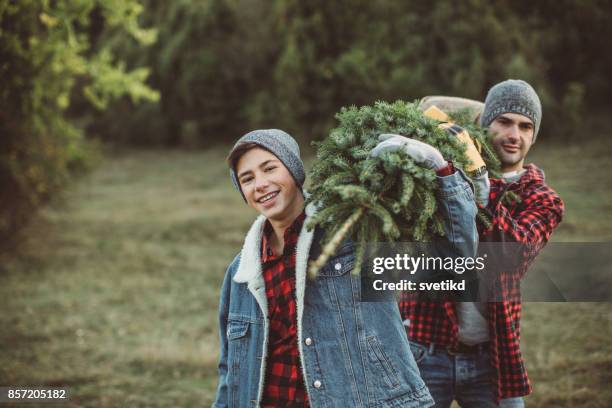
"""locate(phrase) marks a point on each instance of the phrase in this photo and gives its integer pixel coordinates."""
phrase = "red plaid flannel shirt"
(530, 221)
(284, 383)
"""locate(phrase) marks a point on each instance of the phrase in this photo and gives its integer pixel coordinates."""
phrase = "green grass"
(582, 175)
(567, 346)
(114, 291)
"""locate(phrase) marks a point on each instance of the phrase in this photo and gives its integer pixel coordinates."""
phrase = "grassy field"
(114, 290)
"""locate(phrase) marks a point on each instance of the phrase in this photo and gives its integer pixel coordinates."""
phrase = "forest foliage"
(193, 73)
(50, 72)
(224, 67)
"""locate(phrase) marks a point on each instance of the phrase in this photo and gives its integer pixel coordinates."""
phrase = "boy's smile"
(268, 200)
(268, 186)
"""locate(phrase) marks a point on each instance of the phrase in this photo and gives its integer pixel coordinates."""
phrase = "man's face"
(512, 139)
(268, 186)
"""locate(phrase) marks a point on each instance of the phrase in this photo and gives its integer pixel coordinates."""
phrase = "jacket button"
(308, 341)
(338, 266)
(317, 384)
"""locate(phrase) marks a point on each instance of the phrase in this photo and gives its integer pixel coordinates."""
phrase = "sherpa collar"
(250, 258)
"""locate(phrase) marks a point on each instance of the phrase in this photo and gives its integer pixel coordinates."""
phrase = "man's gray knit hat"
(512, 96)
(279, 143)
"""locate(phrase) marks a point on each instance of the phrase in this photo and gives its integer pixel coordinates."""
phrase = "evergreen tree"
(380, 199)
(46, 60)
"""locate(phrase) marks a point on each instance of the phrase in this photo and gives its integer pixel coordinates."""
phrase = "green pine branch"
(387, 198)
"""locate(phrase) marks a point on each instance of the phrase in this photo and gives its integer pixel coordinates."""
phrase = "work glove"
(476, 169)
(423, 154)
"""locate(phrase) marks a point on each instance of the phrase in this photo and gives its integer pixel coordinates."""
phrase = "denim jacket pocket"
(340, 263)
(381, 360)
(337, 266)
(237, 329)
(336, 285)
(237, 339)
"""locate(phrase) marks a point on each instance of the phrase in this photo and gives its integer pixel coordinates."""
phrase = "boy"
(289, 341)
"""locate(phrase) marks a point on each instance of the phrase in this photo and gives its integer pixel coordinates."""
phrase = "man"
(469, 351)
(291, 342)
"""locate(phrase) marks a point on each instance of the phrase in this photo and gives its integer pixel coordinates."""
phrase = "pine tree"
(387, 198)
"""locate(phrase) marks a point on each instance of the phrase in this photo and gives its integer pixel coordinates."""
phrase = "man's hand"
(423, 154)
(471, 150)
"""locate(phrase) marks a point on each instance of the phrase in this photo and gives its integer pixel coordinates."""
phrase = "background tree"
(223, 67)
(227, 66)
(46, 60)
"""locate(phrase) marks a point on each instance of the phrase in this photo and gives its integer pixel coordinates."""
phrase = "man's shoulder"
(531, 189)
(534, 182)
(532, 175)
(536, 193)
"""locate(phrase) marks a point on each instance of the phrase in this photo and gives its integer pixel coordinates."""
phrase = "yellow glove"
(473, 147)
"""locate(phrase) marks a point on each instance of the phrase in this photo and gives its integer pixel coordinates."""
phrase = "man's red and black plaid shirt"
(530, 221)
(284, 383)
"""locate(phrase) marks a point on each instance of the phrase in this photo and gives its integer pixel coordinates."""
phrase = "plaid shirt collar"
(290, 237)
(533, 174)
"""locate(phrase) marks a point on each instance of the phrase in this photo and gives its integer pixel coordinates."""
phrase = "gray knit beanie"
(512, 96)
(279, 143)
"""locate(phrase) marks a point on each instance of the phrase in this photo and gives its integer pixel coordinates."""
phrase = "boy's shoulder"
(233, 266)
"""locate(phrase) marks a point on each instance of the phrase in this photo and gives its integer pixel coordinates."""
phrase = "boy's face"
(268, 186)
(512, 139)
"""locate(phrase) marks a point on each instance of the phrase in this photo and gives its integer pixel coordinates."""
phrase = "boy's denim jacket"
(353, 354)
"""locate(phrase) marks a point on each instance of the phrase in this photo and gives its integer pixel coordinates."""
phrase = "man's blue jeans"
(465, 378)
